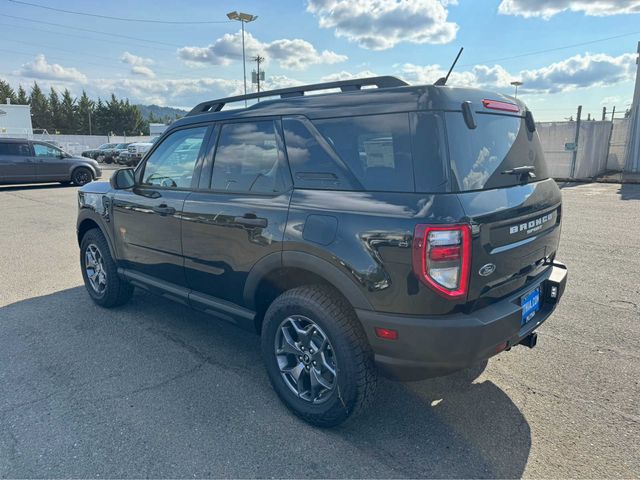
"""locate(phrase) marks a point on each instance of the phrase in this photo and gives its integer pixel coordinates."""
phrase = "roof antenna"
(443, 81)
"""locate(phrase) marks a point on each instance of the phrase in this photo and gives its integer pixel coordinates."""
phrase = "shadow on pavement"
(629, 191)
(33, 186)
(154, 389)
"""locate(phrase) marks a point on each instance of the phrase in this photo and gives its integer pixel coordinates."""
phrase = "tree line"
(62, 113)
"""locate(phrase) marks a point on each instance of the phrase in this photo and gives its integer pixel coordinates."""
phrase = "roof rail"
(344, 85)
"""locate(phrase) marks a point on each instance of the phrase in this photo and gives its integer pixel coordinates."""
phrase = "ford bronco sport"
(409, 231)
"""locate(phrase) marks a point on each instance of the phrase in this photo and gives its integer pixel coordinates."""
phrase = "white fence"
(76, 144)
(600, 148)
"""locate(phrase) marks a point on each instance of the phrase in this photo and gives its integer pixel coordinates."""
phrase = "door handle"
(163, 209)
(251, 221)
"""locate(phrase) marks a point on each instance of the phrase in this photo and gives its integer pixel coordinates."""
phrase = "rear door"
(16, 162)
(51, 163)
(238, 214)
(515, 217)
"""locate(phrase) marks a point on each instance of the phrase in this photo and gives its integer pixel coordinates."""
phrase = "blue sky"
(315, 40)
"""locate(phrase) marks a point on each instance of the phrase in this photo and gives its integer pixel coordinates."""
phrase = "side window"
(43, 150)
(171, 165)
(247, 159)
(313, 165)
(15, 149)
(377, 149)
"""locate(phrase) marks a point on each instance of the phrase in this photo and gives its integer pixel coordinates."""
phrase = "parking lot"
(154, 389)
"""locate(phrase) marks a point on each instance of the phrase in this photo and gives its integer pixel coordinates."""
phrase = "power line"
(92, 31)
(121, 19)
(565, 47)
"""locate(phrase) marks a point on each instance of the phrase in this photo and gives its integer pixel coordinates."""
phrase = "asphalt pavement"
(153, 389)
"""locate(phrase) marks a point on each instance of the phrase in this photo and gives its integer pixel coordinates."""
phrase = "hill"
(161, 114)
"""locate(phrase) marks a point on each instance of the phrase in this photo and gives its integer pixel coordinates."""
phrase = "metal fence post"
(575, 143)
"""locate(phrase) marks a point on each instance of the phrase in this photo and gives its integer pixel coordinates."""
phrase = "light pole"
(516, 83)
(242, 18)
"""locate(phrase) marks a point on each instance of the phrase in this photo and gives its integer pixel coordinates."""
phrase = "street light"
(242, 18)
(516, 83)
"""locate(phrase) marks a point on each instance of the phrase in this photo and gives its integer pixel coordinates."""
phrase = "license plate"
(530, 304)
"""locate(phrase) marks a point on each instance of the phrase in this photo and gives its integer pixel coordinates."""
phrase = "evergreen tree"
(40, 113)
(22, 98)
(6, 92)
(85, 111)
(68, 114)
(54, 108)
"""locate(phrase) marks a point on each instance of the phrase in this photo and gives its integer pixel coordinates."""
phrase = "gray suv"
(27, 161)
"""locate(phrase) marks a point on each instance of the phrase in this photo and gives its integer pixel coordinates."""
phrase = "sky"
(179, 53)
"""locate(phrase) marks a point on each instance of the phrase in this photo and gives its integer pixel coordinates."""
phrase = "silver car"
(30, 161)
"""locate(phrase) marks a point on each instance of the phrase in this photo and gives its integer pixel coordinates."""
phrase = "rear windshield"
(499, 143)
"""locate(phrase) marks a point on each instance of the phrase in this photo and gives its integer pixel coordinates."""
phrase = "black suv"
(404, 230)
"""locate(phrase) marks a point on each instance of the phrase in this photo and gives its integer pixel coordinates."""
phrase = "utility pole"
(632, 155)
(258, 59)
(575, 143)
(89, 112)
(604, 113)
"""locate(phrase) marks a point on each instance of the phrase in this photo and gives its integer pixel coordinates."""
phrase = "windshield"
(499, 143)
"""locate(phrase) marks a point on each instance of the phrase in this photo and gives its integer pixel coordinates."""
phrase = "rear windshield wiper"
(525, 172)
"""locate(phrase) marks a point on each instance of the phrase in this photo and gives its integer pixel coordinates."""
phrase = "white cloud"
(381, 24)
(139, 65)
(290, 53)
(344, 75)
(579, 71)
(40, 68)
(548, 8)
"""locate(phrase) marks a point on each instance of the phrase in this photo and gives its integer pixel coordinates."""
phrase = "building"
(156, 129)
(15, 119)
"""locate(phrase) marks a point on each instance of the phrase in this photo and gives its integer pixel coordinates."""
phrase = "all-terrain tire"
(116, 291)
(356, 375)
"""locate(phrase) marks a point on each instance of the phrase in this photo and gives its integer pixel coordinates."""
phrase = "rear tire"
(81, 176)
(310, 332)
(100, 273)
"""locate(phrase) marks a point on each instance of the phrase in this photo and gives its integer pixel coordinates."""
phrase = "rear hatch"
(515, 215)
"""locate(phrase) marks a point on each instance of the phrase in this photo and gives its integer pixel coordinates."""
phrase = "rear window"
(376, 148)
(499, 143)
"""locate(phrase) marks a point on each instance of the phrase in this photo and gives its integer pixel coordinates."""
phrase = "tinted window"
(314, 165)
(172, 163)
(376, 148)
(247, 159)
(429, 152)
(15, 149)
(42, 150)
(499, 143)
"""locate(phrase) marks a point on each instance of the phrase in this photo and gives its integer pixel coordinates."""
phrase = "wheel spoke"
(294, 371)
(288, 345)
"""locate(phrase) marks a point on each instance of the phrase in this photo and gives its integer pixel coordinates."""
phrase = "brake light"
(442, 258)
(502, 106)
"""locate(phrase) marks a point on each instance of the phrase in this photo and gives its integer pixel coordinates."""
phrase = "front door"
(16, 162)
(52, 164)
(238, 217)
(147, 217)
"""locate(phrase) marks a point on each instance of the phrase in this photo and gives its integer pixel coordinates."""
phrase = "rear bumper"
(433, 346)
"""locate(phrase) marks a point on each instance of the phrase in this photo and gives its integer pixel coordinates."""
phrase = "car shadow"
(629, 191)
(156, 389)
(34, 186)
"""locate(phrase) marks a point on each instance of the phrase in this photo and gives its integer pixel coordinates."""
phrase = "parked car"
(408, 231)
(137, 150)
(26, 161)
(111, 155)
(94, 153)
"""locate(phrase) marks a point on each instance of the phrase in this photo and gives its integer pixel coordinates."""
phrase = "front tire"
(81, 176)
(100, 273)
(317, 356)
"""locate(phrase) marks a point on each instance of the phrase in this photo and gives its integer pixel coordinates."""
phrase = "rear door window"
(15, 149)
(248, 159)
(376, 148)
(499, 143)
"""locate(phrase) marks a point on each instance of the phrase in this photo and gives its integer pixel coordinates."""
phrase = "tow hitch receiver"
(530, 340)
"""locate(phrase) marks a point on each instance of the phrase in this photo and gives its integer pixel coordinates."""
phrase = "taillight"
(502, 106)
(442, 258)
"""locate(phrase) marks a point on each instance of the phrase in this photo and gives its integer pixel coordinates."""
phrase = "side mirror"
(122, 179)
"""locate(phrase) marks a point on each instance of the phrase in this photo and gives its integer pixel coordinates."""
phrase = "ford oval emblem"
(487, 270)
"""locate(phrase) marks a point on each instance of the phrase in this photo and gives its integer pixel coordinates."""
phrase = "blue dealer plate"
(530, 304)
